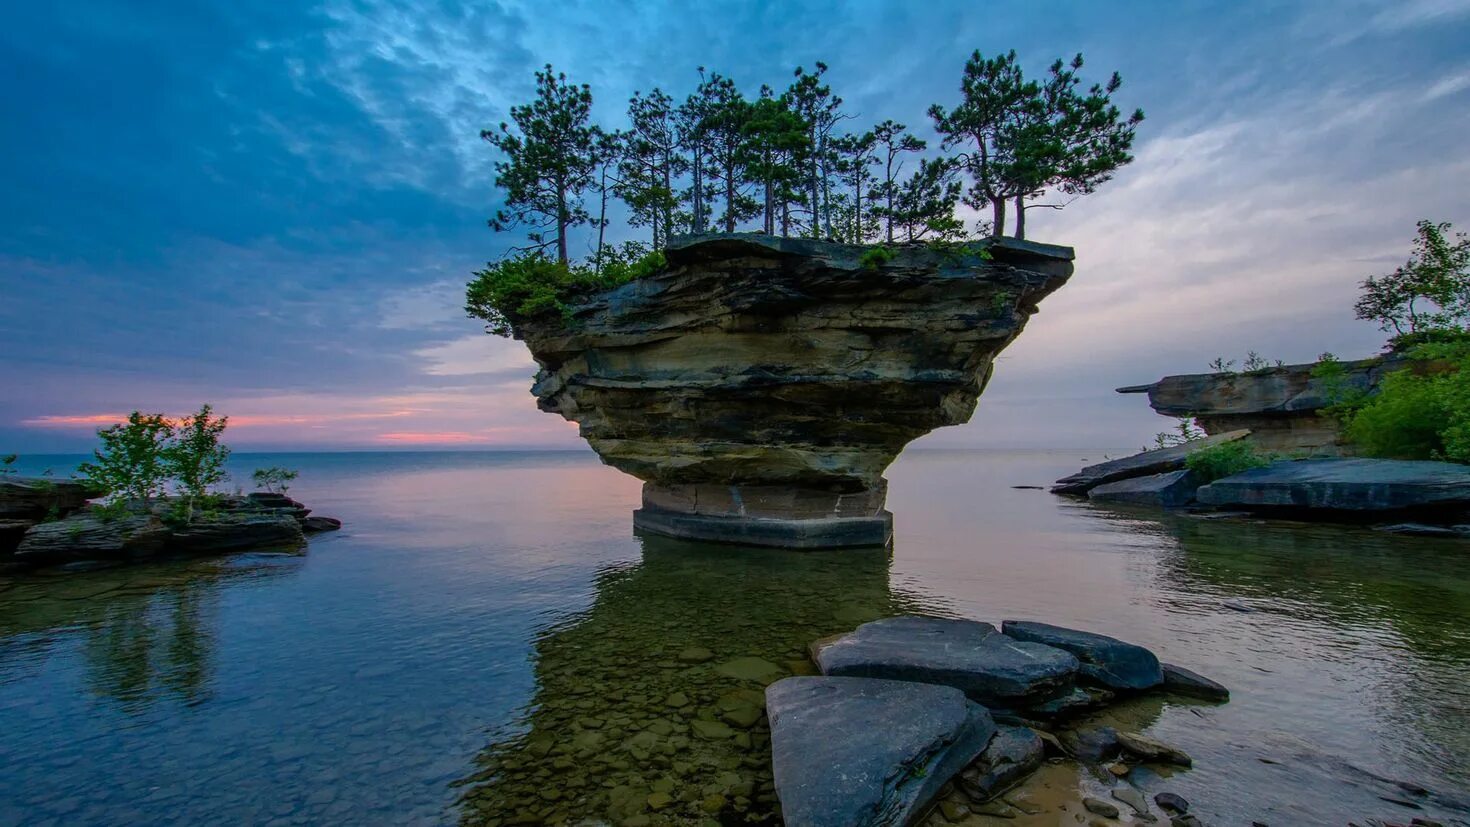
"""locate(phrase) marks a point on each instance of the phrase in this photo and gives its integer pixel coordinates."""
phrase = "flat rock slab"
(861, 751)
(989, 667)
(1158, 461)
(1168, 490)
(38, 498)
(1106, 661)
(1357, 485)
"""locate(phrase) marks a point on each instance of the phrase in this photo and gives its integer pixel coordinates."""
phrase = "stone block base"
(807, 534)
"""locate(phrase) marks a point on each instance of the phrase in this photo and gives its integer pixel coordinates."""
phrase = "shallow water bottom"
(488, 642)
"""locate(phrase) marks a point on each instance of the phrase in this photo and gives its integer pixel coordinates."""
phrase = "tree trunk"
(561, 224)
(730, 195)
(1020, 216)
(602, 222)
(998, 212)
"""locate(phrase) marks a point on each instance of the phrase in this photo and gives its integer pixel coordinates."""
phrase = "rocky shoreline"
(45, 522)
(912, 715)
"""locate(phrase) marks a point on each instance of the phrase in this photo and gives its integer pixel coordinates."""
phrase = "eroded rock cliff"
(761, 385)
(1281, 406)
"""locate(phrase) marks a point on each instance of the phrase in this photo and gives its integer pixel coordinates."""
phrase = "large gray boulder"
(989, 667)
(1157, 461)
(1106, 661)
(858, 751)
(1357, 485)
(1169, 490)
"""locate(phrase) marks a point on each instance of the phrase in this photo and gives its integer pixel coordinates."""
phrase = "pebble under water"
(486, 642)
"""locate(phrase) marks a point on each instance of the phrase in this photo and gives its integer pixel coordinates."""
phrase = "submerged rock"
(1168, 490)
(1145, 748)
(862, 751)
(1012, 755)
(1184, 682)
(759, 385)
(1148, 463)
(989, 667)
(1106, 661)
(1353, 485)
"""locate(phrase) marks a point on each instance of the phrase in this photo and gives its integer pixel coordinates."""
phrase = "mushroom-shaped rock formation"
(759, 386)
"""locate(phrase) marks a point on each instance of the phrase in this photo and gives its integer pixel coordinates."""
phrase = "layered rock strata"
(1280, 406)
(760, 386)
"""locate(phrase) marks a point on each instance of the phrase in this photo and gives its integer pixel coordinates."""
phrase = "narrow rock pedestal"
(755, 515)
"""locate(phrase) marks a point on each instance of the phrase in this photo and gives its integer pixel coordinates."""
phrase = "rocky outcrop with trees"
(149, 491)
(760, 385)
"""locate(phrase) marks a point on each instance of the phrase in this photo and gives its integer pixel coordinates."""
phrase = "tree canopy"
(787, 162)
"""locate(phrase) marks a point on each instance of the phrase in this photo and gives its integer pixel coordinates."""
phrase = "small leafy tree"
(1429, 292)
(195, 457)
(275, 480)
(1185, 431)
(132, 463)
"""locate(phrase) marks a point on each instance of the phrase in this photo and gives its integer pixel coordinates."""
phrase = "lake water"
(486, 641)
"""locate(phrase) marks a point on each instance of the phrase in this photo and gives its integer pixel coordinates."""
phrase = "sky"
(274, 207)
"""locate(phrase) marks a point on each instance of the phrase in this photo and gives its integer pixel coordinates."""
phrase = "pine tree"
(549, 161)
(775, 141)
(926, 202)
(1066, 140)
(993, 94)
(892, 142)
(813, 102)
(726, 115)
(854, 155)
(691, 125)
(651, 164)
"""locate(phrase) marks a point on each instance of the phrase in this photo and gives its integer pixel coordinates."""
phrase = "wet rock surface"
(1169, 490)
(1148, 463)
(913, 737)
(1105, 661)
(963, 654)
(39, 498)
(1182, 681)
(1014, 753)
(1350, 485)
(989, 667)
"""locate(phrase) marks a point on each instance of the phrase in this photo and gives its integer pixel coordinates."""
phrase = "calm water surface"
(487, 642)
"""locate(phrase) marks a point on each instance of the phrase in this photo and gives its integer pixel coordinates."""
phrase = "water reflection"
(142, 634)
(651, 700)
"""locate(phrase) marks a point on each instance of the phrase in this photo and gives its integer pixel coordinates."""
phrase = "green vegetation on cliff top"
(722, 161)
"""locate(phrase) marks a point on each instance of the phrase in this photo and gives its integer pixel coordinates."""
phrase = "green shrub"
(1407, 342)
(276, 480)
(1226, 459)
(534, 285)
(196, 459)
(1420, 412)
(874, 258)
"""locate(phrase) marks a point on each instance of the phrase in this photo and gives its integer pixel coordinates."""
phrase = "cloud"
(478, 355)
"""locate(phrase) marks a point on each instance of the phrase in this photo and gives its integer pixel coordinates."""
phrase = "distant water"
(487, 641)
